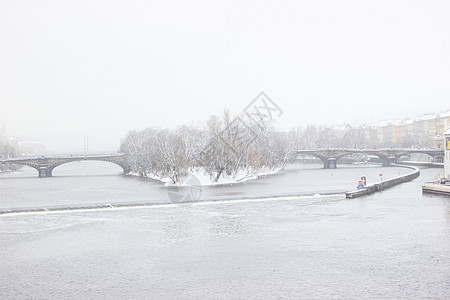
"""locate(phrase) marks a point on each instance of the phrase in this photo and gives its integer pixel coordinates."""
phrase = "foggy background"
(96, 69)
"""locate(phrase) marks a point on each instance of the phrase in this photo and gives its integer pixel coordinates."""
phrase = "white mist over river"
(392, 244)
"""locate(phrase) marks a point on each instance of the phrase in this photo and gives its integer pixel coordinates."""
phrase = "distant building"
(8, 147)
(447, 154)
(417, 133)
(438, 142)
(12, 142)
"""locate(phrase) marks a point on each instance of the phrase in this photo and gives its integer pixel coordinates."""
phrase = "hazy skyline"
(72, 69)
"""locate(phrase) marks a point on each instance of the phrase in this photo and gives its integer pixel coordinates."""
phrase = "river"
(317, 245)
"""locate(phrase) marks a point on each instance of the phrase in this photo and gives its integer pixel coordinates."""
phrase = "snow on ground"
(199, 177)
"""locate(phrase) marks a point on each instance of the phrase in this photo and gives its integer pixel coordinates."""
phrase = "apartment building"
(423, 132)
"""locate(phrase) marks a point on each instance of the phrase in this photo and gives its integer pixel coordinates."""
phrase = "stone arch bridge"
(329, 157)
(45, 165)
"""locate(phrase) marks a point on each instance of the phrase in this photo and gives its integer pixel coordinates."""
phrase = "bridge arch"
(45, 166)
(392, 156)
(329, 158)
(88, 168)
(438, 156)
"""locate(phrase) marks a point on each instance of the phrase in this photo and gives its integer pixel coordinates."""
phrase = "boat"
(441, 186)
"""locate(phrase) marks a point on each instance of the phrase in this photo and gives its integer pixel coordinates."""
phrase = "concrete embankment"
(385, 184)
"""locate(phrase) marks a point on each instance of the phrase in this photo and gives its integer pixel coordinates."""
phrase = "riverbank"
(199, 178)
(421, 164)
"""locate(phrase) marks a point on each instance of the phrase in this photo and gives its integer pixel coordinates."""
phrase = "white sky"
(70, 69)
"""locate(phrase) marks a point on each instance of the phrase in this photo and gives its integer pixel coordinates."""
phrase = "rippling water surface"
(393, 244)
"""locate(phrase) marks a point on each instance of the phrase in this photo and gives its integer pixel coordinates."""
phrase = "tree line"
(224, 146)
(227, 146)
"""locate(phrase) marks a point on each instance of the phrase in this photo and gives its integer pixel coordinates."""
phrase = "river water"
(317, 245)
